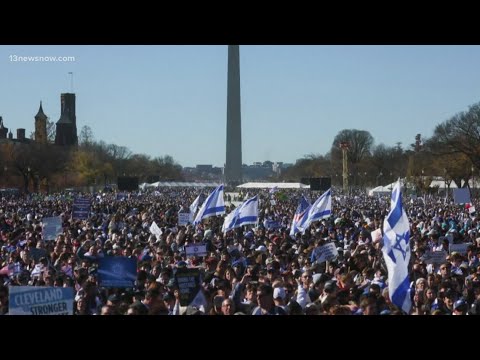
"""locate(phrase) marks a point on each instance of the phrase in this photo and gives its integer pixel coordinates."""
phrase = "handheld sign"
(196, 250)
(118, 272)
(40, 300)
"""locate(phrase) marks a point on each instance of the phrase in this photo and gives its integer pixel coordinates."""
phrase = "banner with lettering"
(40, 300)
(188, 282)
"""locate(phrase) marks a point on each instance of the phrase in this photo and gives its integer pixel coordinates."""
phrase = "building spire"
(40, 113)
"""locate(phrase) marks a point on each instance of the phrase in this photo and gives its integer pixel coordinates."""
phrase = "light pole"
(473, 180)
(345, 145)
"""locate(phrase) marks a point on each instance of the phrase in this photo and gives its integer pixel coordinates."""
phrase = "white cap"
(261, 248)
(279, 292)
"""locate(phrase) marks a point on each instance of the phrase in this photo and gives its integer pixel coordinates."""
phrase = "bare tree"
(459, 134)
(360, 144)
(51, 131)
(86, 136)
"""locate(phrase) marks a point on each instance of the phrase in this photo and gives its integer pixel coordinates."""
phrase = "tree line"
(48, 167)
(452, 153)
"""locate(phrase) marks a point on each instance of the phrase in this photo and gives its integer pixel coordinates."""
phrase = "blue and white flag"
(213, 205)
(230, 219)
(246, 213)
(273, 190)
(300, 216)
(396, 251)
(194, 207)
(321, 209)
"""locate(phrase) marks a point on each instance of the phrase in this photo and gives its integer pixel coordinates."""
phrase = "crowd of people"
(252, 270)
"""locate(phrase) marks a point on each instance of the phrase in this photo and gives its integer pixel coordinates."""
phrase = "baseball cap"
(261, 248)
(460, 305)
(279, 292)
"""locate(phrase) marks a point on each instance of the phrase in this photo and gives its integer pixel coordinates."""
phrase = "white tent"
(263, 185)
(403, 183)
(442, 185)
(179, 184)
(380, 191)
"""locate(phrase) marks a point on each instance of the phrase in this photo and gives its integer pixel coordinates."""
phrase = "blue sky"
(160, 100)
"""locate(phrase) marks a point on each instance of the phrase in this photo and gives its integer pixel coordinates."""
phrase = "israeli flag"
(321, 209)
(230, 219)
(246, 213)
(214, 205)
(300, 216)
(396, 251)
(194, 207)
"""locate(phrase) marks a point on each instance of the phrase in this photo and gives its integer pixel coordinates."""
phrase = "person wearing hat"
(279, 296)
(460, 307)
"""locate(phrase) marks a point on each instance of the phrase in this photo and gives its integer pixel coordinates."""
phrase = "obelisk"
(233, 165)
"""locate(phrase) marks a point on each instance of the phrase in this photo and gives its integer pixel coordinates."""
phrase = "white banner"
(52, 226)
(184, 218)
(155, 230)
(325, 253)
(434, 257)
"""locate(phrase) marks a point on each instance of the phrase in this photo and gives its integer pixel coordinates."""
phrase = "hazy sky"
(160, 100)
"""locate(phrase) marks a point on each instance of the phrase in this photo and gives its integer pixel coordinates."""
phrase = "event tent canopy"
(266, 185)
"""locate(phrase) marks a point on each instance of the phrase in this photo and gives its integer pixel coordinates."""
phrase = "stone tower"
(3, 130)
(66, 134)
(41, 126)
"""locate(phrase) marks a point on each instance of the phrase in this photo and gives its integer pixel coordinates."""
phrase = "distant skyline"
(172, 100)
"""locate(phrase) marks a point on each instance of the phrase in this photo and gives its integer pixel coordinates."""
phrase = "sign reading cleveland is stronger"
(39, 300)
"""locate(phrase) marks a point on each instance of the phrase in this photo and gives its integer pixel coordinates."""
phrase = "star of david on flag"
(396, 251)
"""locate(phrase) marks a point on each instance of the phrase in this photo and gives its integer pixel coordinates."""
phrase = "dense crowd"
(253, 270)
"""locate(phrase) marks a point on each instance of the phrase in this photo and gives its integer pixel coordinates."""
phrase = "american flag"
(299, 216)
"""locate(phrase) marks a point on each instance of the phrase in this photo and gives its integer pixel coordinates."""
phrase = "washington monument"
(233, 166)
